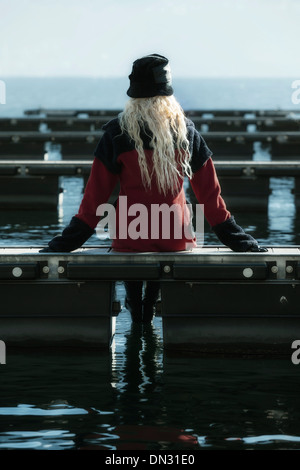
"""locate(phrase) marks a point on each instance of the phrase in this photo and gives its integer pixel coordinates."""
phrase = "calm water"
(137, 399)
(136, 396)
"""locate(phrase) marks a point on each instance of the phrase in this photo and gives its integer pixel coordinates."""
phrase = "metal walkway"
(212, 299)
(32, 184)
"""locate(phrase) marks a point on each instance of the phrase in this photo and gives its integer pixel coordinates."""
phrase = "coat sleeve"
(82, 226)
(100, 185)
(207, 190)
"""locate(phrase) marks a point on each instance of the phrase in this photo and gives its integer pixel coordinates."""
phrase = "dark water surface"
(138, 398)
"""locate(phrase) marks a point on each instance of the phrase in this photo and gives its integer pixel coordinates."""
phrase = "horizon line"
(124, 77)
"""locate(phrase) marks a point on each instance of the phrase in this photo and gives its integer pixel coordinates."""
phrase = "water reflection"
(238, 399)
(282, 212)
(52, 400)
(144, 421)
(138, 396)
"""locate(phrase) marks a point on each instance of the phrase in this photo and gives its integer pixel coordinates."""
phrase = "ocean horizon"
(23, 93)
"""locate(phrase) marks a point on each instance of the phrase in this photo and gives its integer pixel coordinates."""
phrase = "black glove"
(260, 249)
(233, 236)
(46, 250)
(73, 237)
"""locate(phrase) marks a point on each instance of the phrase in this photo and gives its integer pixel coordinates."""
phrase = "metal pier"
(32, 184)
(236, 137)
(212, 299)
(81, 144)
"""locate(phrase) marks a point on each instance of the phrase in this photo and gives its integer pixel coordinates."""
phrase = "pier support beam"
(252, 318)
(212, 299)
(57, 314)
(29, 192)
(231, 148)
(78, 150)
(243, 193)
(21, 150)
(285, 150)
(246, 193)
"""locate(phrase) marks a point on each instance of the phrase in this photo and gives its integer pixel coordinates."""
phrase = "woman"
(149, 150)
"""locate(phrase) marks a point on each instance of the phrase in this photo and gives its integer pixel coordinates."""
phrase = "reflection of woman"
(145, 419)
(149, 149)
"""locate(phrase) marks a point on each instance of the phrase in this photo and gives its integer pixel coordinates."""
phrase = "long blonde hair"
(164, 118)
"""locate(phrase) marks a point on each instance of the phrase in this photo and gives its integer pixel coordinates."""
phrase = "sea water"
(136, 396)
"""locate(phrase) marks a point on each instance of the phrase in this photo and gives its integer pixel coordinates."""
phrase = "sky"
(101, 38)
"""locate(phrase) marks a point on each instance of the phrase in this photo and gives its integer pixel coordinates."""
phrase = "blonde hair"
(162, 118)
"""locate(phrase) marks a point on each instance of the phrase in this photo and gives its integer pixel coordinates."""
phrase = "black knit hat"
(150, 76)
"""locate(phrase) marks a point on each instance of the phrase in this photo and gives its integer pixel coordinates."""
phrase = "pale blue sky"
(101, 38)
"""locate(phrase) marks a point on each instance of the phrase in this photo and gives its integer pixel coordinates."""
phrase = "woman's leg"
(150, 298)
(133, 300)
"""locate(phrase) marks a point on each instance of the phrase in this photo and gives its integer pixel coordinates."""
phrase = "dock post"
(248, 307)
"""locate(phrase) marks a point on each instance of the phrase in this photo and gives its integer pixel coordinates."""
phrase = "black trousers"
(141, 297)
(135, 294)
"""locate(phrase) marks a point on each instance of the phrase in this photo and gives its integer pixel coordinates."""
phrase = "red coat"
(116, 160)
